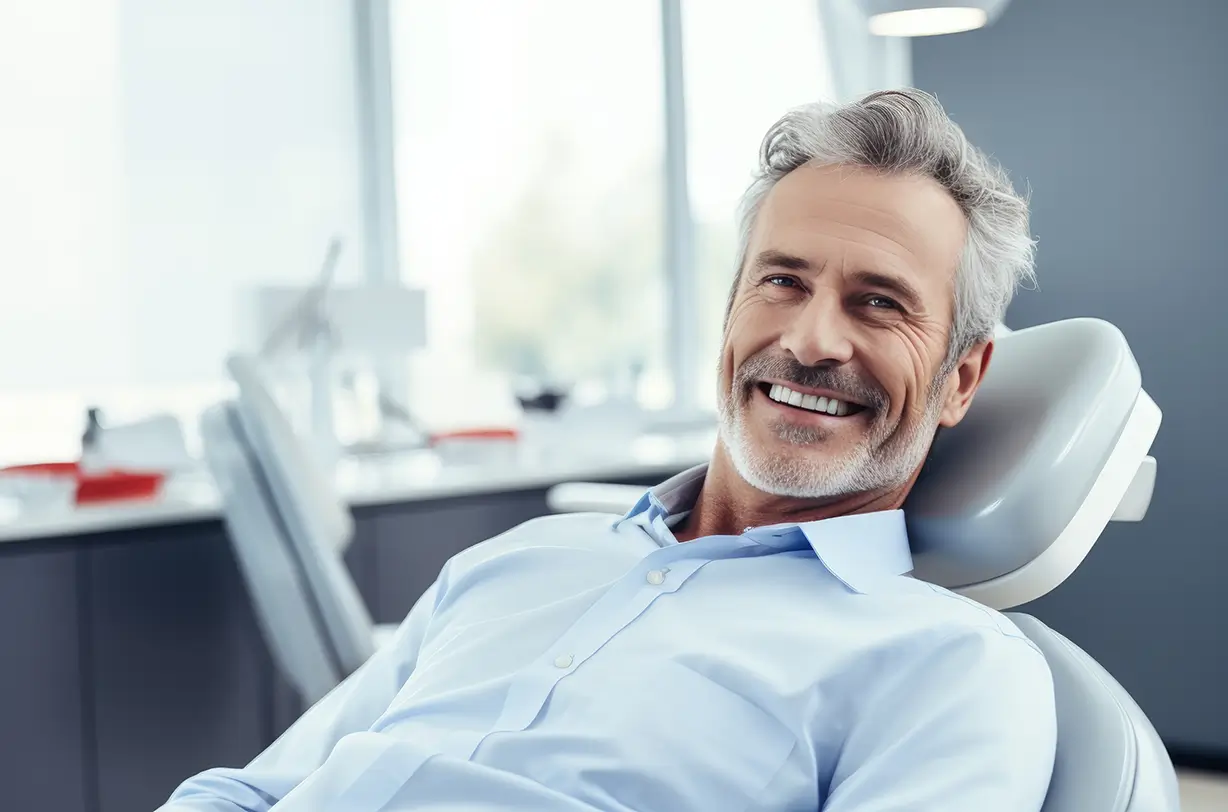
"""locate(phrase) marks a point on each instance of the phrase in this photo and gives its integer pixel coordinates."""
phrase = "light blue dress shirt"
(580, 663)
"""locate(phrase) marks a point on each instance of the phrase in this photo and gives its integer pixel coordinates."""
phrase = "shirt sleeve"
(970, 726)
(352, 706)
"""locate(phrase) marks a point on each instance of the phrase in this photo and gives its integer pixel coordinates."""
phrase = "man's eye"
(781, 281)
(882, 302)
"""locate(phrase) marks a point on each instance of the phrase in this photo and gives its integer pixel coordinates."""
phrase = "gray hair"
(908, 132)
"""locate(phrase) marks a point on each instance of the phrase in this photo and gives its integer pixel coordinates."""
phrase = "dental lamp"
(924, 18)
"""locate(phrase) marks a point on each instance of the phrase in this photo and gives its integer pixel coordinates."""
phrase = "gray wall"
(1116, 113)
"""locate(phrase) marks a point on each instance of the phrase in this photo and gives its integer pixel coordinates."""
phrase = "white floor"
(1204, 792)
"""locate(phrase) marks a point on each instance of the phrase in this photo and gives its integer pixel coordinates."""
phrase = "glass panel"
(529, 147)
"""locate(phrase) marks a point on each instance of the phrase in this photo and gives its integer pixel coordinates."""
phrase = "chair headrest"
(1011, 500)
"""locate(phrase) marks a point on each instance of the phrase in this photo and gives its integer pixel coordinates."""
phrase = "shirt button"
(563, 661)
(656, 577)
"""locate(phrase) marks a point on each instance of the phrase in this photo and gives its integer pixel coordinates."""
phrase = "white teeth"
(783, 394)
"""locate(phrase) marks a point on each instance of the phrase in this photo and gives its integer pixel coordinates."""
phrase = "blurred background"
(162, 160)
(542, 194)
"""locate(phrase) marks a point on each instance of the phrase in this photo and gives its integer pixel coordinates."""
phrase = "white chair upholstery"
(1009, 503)
(1013, 498)
(274, 580)
(281, 506)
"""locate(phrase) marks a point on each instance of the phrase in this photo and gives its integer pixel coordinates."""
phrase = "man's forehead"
(907, 219)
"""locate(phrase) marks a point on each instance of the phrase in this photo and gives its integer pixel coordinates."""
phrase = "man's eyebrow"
(779, 259)
(902, 288)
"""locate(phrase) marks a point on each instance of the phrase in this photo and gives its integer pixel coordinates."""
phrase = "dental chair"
(289, 530)
(1009, 503)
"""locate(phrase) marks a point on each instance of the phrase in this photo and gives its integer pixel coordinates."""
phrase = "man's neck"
(727, 505)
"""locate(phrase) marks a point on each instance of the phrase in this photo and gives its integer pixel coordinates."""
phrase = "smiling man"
(843, 348)
(747, 636)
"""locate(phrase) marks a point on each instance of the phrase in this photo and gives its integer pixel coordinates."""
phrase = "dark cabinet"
(45, 750)
(180, 679)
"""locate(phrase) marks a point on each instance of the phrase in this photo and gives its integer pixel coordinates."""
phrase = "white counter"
(378, 480)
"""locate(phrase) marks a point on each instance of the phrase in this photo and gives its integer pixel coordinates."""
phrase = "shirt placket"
(658, 574)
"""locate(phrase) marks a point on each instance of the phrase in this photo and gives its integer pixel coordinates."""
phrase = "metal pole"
(680, 282)
(376, 137)
(377, 167)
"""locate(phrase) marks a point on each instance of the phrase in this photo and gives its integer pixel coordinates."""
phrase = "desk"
(132, 657)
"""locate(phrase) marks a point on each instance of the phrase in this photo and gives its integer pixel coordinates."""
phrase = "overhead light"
(926, 18)
(926, 22)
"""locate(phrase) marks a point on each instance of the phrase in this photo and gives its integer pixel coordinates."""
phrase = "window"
(172, 156)
(529, 148)
(156, 161)
(745, 65)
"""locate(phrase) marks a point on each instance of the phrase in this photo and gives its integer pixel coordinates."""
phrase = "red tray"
(102, 486)
(481, 434)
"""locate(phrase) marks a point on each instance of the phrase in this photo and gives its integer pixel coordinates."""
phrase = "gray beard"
(884, 459)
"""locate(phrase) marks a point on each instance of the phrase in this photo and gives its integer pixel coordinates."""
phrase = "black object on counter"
(547, 400)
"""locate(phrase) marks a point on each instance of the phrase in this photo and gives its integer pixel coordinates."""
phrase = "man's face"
(847, 293)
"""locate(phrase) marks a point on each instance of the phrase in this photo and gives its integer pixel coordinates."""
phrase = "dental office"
(639, 405)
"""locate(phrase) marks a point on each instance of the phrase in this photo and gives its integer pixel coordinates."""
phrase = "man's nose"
(819, 332)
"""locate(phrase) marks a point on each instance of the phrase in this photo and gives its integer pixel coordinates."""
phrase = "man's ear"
(963, 383)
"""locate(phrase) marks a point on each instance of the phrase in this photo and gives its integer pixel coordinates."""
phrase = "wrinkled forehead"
(903, 223)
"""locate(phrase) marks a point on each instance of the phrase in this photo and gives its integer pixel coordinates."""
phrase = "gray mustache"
(838, 379)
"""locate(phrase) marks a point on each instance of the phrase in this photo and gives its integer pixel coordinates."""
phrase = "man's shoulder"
(944, 614)
(577, 531)
(934, 641)
(554, 529)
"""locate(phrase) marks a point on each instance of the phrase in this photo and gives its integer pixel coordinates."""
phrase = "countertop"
(380, 480)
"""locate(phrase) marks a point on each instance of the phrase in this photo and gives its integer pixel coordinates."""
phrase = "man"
(747, 636)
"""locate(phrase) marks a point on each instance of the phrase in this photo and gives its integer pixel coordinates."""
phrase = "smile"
(819, 404)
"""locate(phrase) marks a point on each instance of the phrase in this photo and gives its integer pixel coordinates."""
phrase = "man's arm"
(352, 706)
(970, 727)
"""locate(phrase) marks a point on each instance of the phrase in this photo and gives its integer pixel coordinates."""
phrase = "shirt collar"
(860, 550)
